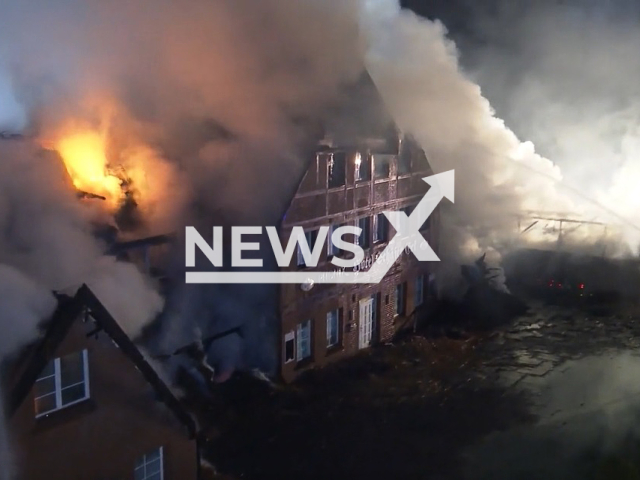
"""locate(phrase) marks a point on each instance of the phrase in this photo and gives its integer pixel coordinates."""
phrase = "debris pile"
(487, 304)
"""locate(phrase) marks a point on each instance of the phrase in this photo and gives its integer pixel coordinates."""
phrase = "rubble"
(487, 304)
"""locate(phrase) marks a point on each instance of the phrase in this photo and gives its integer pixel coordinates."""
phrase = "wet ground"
(555, 394)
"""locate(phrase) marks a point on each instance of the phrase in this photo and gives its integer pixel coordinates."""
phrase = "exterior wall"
(317, 205)
(101, 437)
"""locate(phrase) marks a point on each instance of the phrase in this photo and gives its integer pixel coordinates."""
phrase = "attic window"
(404, 160)
(362, 168)
(382, 166)
(63, 382)
(337, 170)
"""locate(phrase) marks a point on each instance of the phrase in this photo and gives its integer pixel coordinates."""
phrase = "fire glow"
(85, 158)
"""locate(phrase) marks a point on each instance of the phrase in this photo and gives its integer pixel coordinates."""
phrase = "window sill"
(334, 349)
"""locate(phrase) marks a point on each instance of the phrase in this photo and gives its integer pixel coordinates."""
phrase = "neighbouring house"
(84, 403)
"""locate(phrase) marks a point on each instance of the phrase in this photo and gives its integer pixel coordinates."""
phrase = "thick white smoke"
(24, 303)
(563, 74)
(223, 98)
(192, 94)
(47, 244)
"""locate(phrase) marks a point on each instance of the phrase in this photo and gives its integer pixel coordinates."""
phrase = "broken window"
(382, 166)
(333, 327)
(380, 228)
(362, 168)
(304, 340)
(149, 466)
(337, 170)
(63, 382)
(289, 347)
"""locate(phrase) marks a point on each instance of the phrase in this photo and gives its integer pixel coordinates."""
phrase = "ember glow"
(85, 158)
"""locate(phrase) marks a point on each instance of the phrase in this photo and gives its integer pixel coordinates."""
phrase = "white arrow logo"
(408, 236)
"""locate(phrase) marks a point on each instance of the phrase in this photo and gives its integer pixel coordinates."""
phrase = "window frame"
(380, 221)
(144, 464)
(289, 337)
(364, 239)
(401, 299)
(419, 291)
(364, 165)
(385, 160)
(337, 319)
(332, 250)
(299, 340)
(332, 164)
(311, 236)
(405, 164)
(58, 388)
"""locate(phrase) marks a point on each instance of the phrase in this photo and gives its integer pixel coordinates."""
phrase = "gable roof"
(359, 114)
(68, 311)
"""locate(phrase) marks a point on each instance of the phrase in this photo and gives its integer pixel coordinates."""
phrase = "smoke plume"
(206, 113)
(563, 75)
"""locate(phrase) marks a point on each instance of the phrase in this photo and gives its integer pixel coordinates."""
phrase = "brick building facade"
(353, 186)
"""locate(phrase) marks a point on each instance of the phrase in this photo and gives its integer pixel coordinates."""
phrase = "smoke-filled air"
(164, 114)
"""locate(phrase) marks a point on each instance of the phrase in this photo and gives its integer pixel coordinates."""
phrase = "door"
(367, 322)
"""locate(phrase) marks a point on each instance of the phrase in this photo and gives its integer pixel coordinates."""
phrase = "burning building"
(361, 167)
(353, 185)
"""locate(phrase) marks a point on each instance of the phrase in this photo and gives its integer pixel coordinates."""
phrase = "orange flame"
(85, 158)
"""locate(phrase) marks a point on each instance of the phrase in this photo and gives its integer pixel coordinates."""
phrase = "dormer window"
(362, 168)
(382, 166)
(337, 170)
(63, 382)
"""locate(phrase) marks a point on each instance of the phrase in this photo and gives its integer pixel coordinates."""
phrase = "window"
(310, 237)
(337, 171)
(362, 168)
(289, 347)
(380, 228)
(333, 327)
(400, 298)
(363, 240)
(382, 166)
(149, 466)
(419, 293)
(332, 250)
(404, 159)
(304, 340)
(63, 382)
